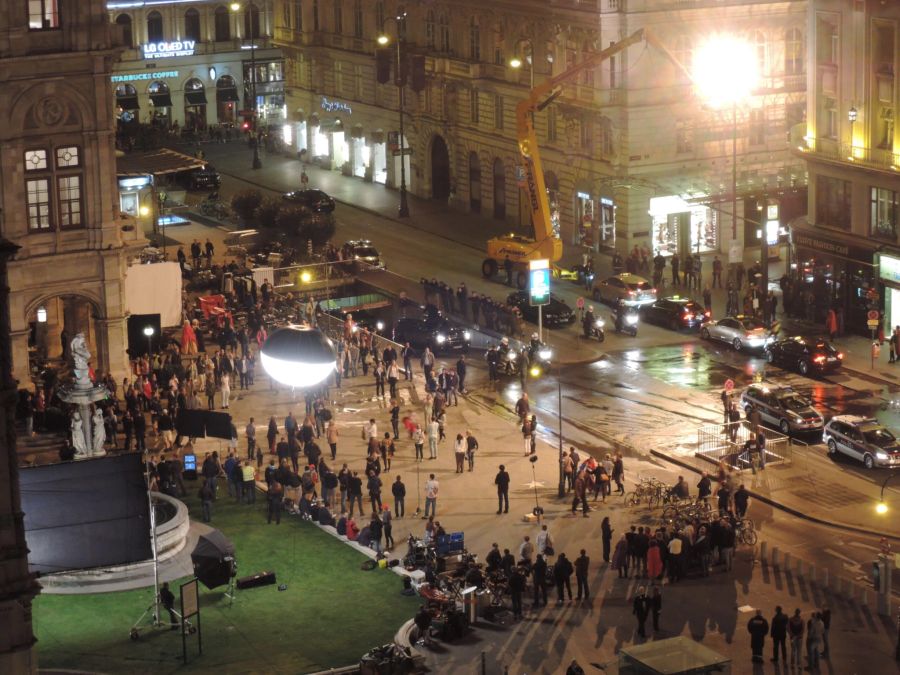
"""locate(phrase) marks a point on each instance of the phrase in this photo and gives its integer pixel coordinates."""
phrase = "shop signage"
(831, 247)
(152, 75)
(164, 50)
(406, 151)
(336, 106)
(889, 268)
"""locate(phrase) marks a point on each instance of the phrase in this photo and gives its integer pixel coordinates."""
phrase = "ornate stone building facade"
(849, 243)
(58, 189)
(620, 135)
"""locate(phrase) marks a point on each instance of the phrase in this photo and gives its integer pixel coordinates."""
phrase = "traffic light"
(383, 65)
(417, 66)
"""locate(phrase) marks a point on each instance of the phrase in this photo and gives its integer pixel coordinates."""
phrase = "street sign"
(872, 315)
(539, 282)
(729, 384)
(406, 151)
(872, 323)
(579, 303)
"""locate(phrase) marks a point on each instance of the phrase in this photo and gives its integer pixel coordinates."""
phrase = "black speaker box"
(256, 580)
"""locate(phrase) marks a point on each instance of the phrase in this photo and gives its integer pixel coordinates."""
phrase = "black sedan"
(434, 332)
(206, 178)
(805, 355)
(555, 313)
(315, 200)
(676, 312)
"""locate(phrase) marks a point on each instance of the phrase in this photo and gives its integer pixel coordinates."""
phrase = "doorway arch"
(474, 183)
(440, 169)
(499, 176)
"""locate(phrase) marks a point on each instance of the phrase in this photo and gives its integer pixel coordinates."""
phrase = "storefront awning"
(127, 102)
(227, 95)
(161, 100)
(195, 97)
(819, 240)
(155, 163)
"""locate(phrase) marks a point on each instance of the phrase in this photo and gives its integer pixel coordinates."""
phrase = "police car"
(863, 439)
(781, 407)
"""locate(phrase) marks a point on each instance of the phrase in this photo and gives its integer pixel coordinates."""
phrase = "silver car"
(635, 291)
(863, 439)
(782, 407)
(364, 251)
(740, 331)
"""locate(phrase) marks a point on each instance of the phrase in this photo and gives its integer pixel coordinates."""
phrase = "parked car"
(315, 200)
(864, 439)
(364, 251)
(554, 314)
(634, 290)
(206, 178)
(361, 318)
(782, 407)
(739, 331)
(805, 355)
(676, 312)
(434, 331)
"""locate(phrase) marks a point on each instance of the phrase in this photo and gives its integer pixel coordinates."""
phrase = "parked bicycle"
(649, 490)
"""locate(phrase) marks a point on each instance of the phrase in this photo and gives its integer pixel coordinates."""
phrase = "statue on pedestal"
(78, 440)
(81, 356)
(98, 433)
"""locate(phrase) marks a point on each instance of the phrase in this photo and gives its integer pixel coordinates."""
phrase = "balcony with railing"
(833, 150)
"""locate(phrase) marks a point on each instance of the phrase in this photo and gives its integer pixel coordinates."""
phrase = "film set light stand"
(229, 592)
(154, 607)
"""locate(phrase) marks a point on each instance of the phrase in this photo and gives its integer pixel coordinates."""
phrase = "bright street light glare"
(383, 40)
(725, 70)
(235, 6)
(881, 508)
(515, 63)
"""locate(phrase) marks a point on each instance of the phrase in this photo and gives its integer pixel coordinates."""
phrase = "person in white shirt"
(418, 438)
(459, 450)
(370, 431)
(544, 541)
(526, 550)
(431, 493)
(225, 388)
(433, 433)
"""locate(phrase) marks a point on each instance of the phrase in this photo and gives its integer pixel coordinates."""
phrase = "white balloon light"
(298, 357)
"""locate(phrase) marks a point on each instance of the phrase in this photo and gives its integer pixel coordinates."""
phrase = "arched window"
(154, 27)
(429, 29)
(474, 40)
(443, 34)
(379, 16)
(793, 52)
(192, 25)
(124, 20)
(762, 53)
(358, 22)
(338, 17)
(499, 173)
(251, 22)
(223, 24)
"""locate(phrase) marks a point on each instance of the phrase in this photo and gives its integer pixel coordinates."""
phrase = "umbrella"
(213, 559)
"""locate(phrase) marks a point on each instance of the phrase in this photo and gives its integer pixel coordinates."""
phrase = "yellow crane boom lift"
(520, 250)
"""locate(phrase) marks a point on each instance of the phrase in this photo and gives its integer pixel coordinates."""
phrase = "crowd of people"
(477, 309)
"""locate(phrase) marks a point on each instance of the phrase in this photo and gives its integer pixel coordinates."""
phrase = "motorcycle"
(595, 330)
(627, 322)
(536, 358)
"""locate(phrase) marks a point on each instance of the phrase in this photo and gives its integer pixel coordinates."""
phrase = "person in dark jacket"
(375, 529)
(398, 489)
(539, 579)
(354, 490)
(704, 488)
(508, 562)
(641, 608)
(779, 635)
(582, 562)
(606, 534)
(562, 574)
(516, 588)
(656, 607)
(758, 628)
(502, 482)
(374, 488)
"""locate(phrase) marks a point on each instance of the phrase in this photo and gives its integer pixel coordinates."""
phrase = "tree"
(267, 212)
(245, 204)
(319, 228)
(292, 219)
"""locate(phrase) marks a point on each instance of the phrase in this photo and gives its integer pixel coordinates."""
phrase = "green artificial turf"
(331, 613)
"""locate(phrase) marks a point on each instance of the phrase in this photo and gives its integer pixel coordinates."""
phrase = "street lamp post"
(384, 40)
(235, 7)
(725, 73)
(852, 115)
(881, 507)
